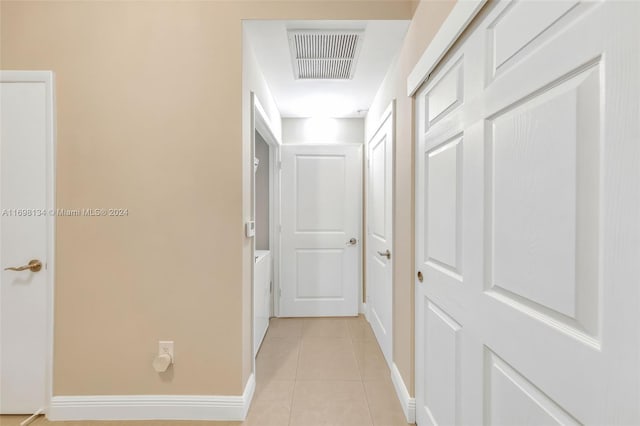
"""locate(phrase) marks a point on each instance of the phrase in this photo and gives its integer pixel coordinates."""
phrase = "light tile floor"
(309, 371)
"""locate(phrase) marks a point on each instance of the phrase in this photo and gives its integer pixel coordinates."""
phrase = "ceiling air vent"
(324, 55)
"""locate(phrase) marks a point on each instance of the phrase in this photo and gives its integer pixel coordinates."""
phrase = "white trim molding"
(363, 310)
(263, 125)
(263, 122)
(460, 17)
(407, 402)
(153, 407)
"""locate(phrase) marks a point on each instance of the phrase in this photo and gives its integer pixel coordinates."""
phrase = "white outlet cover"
(166, 347)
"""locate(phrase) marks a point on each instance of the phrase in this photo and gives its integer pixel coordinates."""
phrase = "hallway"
(323, 371)
(311, 371)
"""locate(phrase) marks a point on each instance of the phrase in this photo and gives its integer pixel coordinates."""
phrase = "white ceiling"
(305, 98)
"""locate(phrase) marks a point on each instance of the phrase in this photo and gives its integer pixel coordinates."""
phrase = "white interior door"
(26, 153)
(321, 213)
(379, 258)
(528, 220)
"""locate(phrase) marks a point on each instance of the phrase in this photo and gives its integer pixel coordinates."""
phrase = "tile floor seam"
(300, 343)
(364, 388)
(366, 395)
(295, 377)
(353, 349)
(366, 398)
(293, 392)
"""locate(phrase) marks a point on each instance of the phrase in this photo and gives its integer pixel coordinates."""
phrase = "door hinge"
(280, 165)
(270, 287)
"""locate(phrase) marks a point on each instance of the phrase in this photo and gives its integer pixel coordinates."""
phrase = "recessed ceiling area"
(349, 70)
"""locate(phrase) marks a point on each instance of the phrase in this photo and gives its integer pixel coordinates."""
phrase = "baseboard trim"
(247, 395)
(408, 403)
(363, 309)
(152, 407)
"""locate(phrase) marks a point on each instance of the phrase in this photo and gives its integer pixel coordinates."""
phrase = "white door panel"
(380, 232)
(527, 209)
(26, 152)
(321, 212)
(441, 365)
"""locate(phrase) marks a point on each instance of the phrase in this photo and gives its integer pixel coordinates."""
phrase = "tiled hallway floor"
(311, 371)
(323, 371)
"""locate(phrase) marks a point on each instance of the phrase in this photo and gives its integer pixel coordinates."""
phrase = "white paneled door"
(26, 239)
(321, 230)
(528, 220)
(379, 258)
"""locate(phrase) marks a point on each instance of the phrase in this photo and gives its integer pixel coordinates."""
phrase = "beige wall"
(427, 19)
(150, 118)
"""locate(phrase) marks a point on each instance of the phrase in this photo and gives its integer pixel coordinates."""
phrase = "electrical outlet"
(166, 347)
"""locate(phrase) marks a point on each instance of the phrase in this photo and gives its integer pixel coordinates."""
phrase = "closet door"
(26, 239)
(528, 237)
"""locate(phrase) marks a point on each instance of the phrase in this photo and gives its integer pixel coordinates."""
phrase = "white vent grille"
(324, 55)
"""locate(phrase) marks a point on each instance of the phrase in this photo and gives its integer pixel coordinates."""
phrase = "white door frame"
(47, 78)
(389, 114)
(262, 124)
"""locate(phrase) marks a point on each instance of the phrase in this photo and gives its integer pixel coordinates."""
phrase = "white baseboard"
(152, 407)
(408, 403)
(247, 395)
(363, 308)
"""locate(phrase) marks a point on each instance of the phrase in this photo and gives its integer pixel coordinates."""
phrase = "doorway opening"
(322, 181)
(265, 212)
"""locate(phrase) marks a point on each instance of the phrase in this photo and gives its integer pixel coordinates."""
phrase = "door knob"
(352, 242)
(386, 254)
(34, 266)
(420, 277)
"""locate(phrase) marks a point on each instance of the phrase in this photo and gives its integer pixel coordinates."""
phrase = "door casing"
(260, 123)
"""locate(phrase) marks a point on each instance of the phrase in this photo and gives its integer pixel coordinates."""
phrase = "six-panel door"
(528, 209)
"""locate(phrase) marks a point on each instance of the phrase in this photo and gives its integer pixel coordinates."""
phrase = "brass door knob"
(420, 277)
(34, 265)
